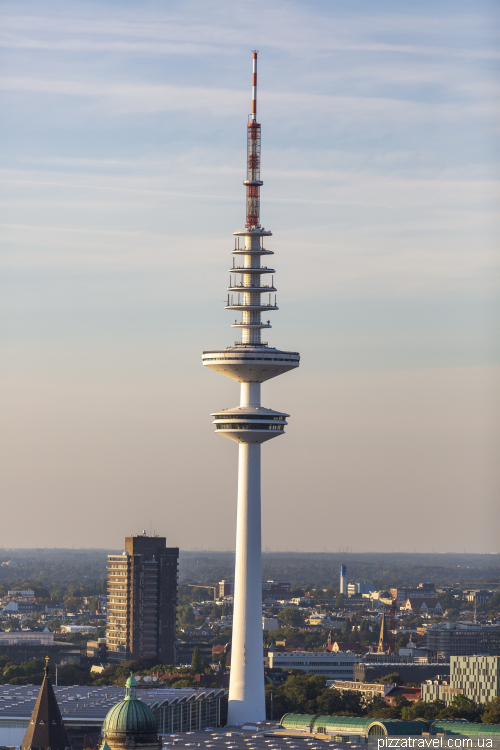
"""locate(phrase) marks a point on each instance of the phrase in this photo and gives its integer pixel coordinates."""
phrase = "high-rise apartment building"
(142, 600)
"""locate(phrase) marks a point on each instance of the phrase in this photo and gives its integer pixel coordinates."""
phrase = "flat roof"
(82, 705)
(261, 736)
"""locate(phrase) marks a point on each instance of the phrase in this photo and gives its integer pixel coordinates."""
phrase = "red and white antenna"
(254, 85)
(253, 181)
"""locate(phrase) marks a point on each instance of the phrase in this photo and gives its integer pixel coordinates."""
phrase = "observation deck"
(250, 424)
(250, 364)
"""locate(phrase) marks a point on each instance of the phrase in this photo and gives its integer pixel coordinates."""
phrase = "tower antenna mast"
(250, 362)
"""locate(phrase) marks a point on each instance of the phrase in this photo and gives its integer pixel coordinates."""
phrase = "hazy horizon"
(124, 128)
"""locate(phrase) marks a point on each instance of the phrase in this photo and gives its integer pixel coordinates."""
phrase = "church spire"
(46, 728)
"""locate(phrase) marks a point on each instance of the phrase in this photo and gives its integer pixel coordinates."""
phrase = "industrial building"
(461, 639)
(418, 673)
(83, 709)
(142, 600)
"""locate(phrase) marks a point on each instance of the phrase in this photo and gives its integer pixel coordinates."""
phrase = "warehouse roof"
(82, 705)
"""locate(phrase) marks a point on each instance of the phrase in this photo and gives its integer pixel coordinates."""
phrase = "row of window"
(261, 417)
(222, 426)
(252, 359)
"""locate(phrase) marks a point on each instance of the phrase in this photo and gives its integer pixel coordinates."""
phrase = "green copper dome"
(131, 716)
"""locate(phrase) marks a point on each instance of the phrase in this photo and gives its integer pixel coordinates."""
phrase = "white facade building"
(333, 665)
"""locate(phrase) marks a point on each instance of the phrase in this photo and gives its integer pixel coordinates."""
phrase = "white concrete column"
(246, 685)
(250, 394)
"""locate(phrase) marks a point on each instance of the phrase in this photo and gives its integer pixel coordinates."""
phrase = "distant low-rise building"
(439, 689)
(418, 673)
(359, 589)
(461, 639)
(184, 651)
(97, 649)
(270, 623)
(331, 665)
(24, 593)
(225, 589)
(397, 692)
(479, 597)
(422, 591)
(21, 607)
(78, 628)
(276, 590)
(369, 691)
(423, 606)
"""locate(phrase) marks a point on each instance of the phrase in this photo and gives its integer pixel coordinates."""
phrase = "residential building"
(397, 692)
(368, 690)
(439, 689)
(422, 591)
(21, 607)
(225, 589)
(184, 652)
(332, 665)
(461, 639)
(479, 597)
(344, 647)
(421, 606)
(142, 600)
(270, 623)
(78, 628)
(25, 594)
(359, 589)
(477, 677)
(276, 590)
(97, 649)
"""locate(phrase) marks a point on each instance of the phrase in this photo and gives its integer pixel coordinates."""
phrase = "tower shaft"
(246, 688)
(251, 362)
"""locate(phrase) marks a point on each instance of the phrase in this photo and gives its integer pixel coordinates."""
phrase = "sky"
(122, 145)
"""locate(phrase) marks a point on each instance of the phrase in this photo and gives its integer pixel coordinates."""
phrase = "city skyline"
(123, 158)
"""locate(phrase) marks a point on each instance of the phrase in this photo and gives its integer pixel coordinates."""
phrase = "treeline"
(308, 694)
(61, 572)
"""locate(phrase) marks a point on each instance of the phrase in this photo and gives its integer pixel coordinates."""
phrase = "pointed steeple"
(46, 729)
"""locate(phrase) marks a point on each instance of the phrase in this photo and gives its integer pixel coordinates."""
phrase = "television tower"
(250, 361)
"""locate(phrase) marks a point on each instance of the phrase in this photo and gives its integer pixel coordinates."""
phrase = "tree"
(197, 663)
(185, 616)
(422, 710)
(346, 627)
(390, 679)
(461, 708)
(222, 662)
(292, 617)
(491, 713)
(340, 601)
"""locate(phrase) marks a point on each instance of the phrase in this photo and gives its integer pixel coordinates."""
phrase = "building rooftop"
(262, 736)
(83, 705)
